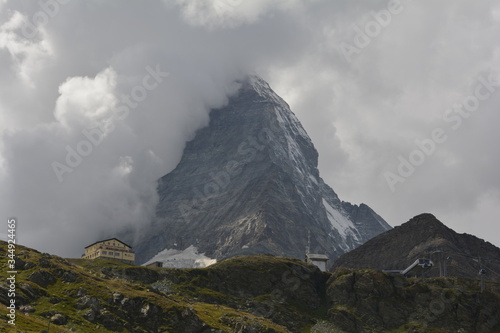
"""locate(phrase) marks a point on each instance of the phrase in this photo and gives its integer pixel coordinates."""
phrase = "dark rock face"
(248, 183)
(426, 237)
(42, 277)
(371, 301)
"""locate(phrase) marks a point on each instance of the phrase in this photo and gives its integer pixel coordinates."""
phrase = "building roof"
(105, 240)
(315, 256)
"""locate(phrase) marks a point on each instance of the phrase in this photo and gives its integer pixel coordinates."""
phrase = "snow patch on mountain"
(188, 258)
(339, 222)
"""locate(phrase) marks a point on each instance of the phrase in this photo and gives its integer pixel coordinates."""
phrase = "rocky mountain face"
(248, 183)
(424, 236)
(247, 294)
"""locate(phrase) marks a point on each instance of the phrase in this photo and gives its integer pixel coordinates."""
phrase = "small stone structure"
(320, 260)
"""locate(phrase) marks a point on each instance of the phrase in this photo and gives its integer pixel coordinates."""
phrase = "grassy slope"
(295, 297)
(91, 280)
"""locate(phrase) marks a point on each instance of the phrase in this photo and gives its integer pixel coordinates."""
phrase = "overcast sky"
(97, 100)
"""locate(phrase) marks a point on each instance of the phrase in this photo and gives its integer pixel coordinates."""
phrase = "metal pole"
(445, 262)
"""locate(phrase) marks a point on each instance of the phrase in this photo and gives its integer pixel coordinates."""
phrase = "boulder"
(43, 278)
(58, 319)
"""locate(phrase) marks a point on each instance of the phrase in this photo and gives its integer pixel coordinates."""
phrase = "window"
(117, 254)
(110, 253)
(104, 252)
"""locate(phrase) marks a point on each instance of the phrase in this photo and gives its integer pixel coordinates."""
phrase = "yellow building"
(112, 248)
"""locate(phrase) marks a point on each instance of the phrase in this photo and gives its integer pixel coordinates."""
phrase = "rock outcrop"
(372, 301)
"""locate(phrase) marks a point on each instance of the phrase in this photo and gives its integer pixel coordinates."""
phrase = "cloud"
(394, 92)
(85, 140)
(26, 55)
(81, 83)
(86, 102)
(221, 14)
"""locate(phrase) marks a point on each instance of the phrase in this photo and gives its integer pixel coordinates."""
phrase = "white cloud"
(88, 57)
(87, 102)
(27, 55)
(219, 14)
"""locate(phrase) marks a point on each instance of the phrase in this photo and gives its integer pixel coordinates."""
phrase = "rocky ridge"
(424, 236)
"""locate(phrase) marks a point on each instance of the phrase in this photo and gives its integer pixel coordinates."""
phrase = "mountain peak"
(249, 183)
(426, 227)
(425, 219)
(424, 216)
(424, 236)
(258, 84)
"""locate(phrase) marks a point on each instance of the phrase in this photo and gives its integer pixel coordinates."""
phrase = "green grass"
(92, 277)
(220, 294)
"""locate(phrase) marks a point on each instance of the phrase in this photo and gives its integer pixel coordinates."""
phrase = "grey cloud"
(361, 115)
